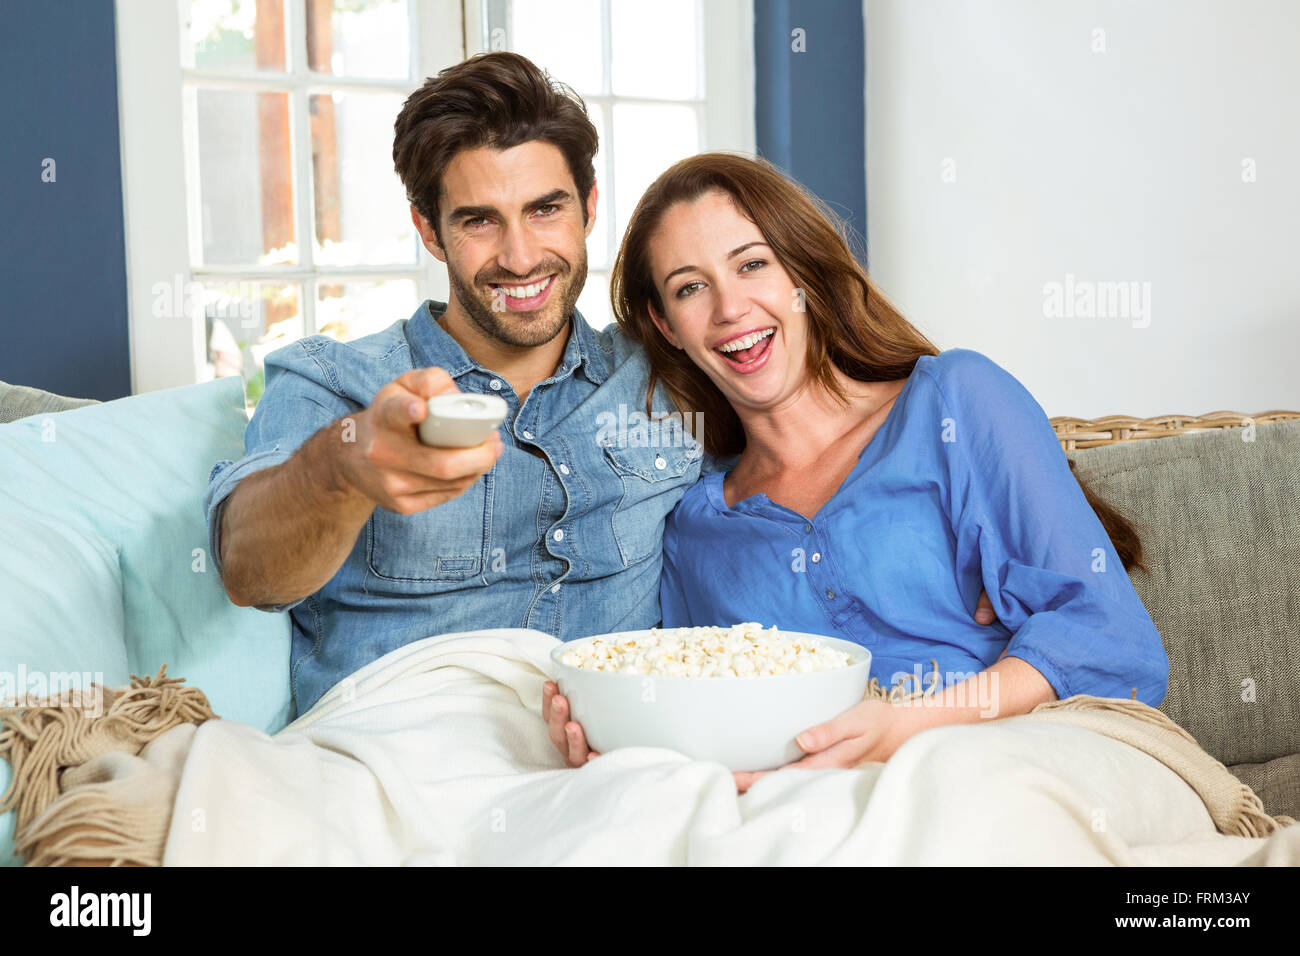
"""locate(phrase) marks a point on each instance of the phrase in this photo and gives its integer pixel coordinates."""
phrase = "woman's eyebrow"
(730, 255)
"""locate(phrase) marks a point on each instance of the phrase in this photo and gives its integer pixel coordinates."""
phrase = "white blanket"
(437, 754)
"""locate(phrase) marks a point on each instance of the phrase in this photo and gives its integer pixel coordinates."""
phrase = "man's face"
(513, 239)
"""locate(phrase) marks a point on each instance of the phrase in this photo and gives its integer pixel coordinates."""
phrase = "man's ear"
(591, 209)
(428, 235)
(662, 325)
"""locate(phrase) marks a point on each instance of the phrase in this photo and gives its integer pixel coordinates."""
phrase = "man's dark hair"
(495, 100)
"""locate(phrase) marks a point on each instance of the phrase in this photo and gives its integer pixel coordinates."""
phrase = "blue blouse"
(963, 487)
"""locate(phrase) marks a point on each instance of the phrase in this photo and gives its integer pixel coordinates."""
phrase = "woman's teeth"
(735, 345)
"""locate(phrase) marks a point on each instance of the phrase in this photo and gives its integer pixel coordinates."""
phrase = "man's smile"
(524, 297)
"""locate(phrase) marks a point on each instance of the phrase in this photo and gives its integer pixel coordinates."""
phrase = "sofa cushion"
(1218, 513)
(62, 626)
(1277, 783)
(19, 401)
(133, 472)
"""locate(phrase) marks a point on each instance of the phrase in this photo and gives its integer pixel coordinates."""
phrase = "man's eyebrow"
(473, 212)
(730, 255)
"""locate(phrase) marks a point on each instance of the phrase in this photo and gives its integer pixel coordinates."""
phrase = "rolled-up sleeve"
(294, 406)
(1048, 564)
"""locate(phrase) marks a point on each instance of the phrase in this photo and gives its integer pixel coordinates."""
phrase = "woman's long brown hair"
(852, 326)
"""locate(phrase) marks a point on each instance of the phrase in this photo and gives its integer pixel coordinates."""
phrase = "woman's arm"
(874, 729)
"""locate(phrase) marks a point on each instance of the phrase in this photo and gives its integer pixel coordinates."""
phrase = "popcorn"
(743, 650)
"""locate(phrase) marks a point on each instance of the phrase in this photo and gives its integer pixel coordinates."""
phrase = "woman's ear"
(662, 325)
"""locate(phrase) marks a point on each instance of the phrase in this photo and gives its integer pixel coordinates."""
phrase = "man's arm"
(286, 530)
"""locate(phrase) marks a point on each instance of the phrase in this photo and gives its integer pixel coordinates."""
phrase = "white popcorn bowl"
(743, 723)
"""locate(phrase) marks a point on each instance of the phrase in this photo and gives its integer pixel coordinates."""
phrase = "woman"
(879, 484)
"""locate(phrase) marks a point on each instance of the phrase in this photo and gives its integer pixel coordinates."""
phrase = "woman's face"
(722, 287)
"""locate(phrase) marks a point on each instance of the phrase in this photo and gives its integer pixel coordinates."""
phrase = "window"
(662, 81)
(261, 202)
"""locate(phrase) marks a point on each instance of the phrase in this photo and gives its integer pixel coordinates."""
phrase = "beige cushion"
(19, 401)
(1219, 519)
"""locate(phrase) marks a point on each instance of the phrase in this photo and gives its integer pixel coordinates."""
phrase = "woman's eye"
(685, 290)
(756, 263)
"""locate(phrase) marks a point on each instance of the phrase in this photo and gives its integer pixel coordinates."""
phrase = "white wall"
(1122, 165)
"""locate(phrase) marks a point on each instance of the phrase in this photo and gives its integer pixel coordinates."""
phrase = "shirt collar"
(432, 345)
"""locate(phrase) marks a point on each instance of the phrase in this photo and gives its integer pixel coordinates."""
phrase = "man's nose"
(520, 251)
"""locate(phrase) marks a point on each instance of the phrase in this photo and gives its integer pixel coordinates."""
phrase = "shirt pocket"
(440, 548)
(653, 480)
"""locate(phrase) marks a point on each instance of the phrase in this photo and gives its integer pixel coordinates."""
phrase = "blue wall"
(810, 107)
(63, 319)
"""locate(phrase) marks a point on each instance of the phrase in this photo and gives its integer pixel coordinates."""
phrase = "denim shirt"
(564, 534)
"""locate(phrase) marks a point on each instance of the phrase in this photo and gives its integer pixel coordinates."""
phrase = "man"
(372, 540)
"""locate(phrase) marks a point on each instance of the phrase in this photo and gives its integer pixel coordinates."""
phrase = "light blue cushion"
(61, 594)
(132, 472)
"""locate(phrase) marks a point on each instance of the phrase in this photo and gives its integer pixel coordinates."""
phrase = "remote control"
(460, 420)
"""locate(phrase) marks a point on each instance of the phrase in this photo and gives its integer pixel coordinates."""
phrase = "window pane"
(361, 212)
(245, 321)
(347, 310)
(593, 301)
(598, 251)
(647, 140)
(562, 37)
(232, 34)
(359, 37)
(245, 181)
(655, 49)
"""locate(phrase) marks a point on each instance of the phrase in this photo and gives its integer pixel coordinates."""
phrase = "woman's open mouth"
(524, 298)
(749, 352)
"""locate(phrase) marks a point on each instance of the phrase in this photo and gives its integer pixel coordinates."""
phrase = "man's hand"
(566, 734)
(387, 462)
(984, 610)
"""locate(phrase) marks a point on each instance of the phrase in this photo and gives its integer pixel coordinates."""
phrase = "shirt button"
(555, 589)
(817, 556)
(559, 534)
(528, 435)
(495, 384)
(807, 529)
(660, 463)
(564, 469)
(830, 595)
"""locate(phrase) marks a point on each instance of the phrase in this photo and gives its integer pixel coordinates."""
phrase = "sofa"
(104, 571)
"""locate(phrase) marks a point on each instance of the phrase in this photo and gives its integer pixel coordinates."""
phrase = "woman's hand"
(868, 731)
(567, 735)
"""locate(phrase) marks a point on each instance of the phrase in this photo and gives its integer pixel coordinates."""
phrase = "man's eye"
(475, 221)
(685, 290)
(549, 208)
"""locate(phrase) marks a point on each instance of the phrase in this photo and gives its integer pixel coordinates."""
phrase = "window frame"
(169, 349)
